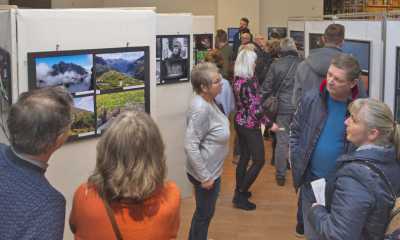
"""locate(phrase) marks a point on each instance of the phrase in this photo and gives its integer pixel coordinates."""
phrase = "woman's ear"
(204, 88)
(373, 135)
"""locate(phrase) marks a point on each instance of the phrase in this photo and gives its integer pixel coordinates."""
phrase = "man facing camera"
(30, 208)
(317, 134)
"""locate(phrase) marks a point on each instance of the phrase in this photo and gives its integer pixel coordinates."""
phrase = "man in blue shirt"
(30, 208)
(318, 134)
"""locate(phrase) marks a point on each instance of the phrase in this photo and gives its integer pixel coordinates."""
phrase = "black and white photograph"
(158, 71)
(298, 37)
(71, 71)
(277, 33)
(121, 70)
(5, 77)
(174, 66)
(315, 41)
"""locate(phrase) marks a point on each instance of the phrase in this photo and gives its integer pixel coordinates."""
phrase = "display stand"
(75, 29)
(203, 36)
(172, 102)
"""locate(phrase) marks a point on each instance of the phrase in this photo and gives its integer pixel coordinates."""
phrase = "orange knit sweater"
(156, 219)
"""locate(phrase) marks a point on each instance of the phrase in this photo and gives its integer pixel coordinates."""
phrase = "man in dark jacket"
(30, 208)
(279, 82)
(317, 134)
(313, 69)
(237, 41)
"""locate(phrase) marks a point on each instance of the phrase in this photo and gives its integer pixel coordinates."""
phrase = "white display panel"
(74, 29)
(369, 31)
(392, 64)
(172, 103)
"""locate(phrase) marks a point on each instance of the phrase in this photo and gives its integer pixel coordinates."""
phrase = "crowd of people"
(315, 110)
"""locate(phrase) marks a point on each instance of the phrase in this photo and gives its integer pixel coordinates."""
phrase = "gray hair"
(38, 118)
(349, 64)
(245, 63)
(287, 44)
(202, 74)
(377, 115)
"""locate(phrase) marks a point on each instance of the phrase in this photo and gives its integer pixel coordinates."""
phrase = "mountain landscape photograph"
(73, 72)
(84, 118)
(119, 70)
(109, 106)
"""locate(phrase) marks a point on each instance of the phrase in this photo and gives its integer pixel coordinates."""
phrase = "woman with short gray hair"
(279, 82)
(206, 146)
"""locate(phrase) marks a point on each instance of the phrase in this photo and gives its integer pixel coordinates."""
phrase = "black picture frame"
(397, 88)
(315, 41)
(201, 44)
(86, 117)
(173, 69)
(5, 78)
(231, 34)
(279, 31)
(298, 38)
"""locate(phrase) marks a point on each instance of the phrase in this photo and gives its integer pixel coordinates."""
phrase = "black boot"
(241, 201)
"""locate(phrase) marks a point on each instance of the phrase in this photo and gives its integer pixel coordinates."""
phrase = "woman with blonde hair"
(248, 120)
(360, 193)
(126, 196)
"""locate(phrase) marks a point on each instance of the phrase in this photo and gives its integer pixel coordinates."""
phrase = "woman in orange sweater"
(129, 178)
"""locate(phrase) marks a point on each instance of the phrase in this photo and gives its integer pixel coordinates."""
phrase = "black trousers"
(251, 146)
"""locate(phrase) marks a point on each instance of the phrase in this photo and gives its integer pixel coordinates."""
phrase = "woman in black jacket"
(358, 199)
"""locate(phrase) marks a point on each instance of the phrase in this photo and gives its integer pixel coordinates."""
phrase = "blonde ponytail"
(396, 139)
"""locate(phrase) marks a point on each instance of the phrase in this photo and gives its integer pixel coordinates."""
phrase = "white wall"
(203, 24)
(230, 12)
(392, 42)
(172, 102)
(41, 30)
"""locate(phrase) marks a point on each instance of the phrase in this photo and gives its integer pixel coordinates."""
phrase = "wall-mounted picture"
(361, 51)
(103, 82)
(202, 43)
(5, 77)
(298, 37)
(397, 91)
(110, 105)
(231, 33)
(277, 32)
(315, 40)
(84, 123)
(158, 71)
(124, 70)
(74, 72)
(175, 60)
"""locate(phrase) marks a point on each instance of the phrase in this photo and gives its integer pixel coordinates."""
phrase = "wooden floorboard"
(274, 218)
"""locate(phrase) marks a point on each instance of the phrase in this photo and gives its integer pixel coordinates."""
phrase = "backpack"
(393, 228)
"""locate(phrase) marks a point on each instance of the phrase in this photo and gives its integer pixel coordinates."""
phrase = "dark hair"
(245, 19)
(334, 34)
(215, 56)
(38, 118)
(349, 64)
(220, 37)
(130, 159)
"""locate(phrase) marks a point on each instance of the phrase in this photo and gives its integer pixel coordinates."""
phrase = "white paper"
(318, 187)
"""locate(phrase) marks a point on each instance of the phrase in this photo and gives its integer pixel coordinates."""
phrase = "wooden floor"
(274, 218)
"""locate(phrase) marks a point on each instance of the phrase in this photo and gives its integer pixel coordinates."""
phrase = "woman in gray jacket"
(206, 146)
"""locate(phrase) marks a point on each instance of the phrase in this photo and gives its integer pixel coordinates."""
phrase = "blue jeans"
(205, 208)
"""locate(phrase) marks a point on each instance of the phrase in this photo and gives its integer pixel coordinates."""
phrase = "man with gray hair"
(279, 82)
(317, 133)
(30, 208)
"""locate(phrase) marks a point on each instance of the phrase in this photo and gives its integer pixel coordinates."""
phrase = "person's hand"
(274, 128)
(208, 184)
(316, 204)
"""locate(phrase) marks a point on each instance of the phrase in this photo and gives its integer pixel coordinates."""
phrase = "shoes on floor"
(300, 230)
(280, 181)
(241, 201)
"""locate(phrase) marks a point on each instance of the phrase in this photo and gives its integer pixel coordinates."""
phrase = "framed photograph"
(202, 43)
(103, 83)
(5, 78)
(315, 41)
(298, 37)
(231, 34)
(110, 105)
(119, 70)
(174, 58)
(277, 32)
(361, 50)
(397, 90)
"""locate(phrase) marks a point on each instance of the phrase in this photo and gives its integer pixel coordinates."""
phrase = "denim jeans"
(282, 144)
(205, 208)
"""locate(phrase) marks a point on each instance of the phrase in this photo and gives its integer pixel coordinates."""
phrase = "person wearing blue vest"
(317, 134)
(30, 208)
